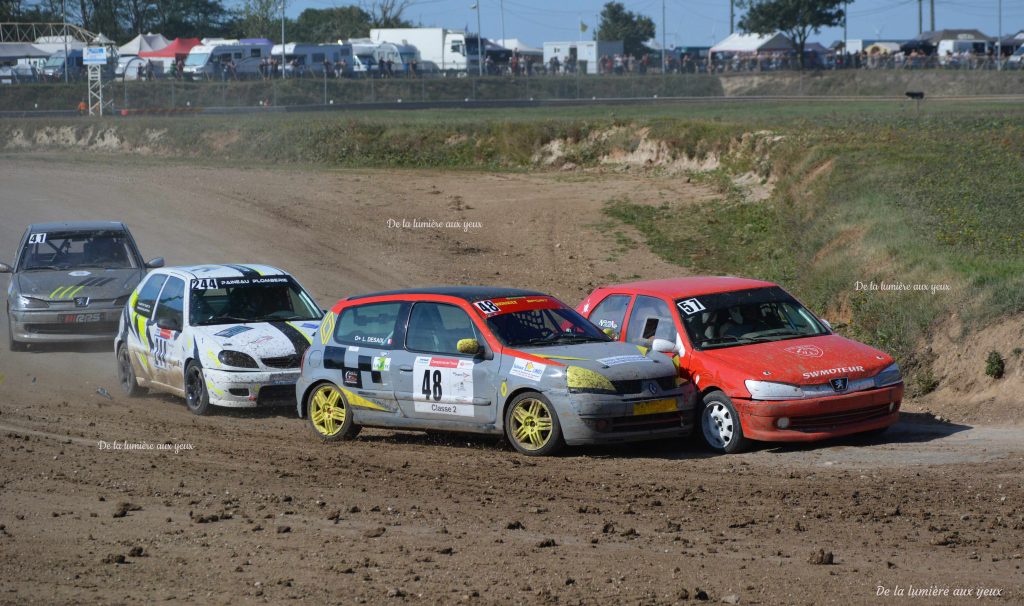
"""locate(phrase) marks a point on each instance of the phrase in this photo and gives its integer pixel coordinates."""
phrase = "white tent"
(143, 42)
(752, 43)
(517, 44)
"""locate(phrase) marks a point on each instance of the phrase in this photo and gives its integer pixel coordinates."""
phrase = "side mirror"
(664, 346)
(611, 333)
(5, 268)
(169, 324)
(470, 347)
(827, 324)
(155, 263)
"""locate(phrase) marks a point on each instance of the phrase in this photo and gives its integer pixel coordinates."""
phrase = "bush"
(994, 366)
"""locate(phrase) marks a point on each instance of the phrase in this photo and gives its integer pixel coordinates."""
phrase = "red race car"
(765, 367)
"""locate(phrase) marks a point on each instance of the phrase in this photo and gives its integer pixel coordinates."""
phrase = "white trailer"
(440, 49)
(587, 52)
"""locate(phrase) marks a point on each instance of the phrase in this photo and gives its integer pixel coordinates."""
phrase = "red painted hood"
(807, 361)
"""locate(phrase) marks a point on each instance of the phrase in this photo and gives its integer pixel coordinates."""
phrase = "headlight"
(766, 390)
(236, 359)
(583, 380)
(23, 302)
(890, 376)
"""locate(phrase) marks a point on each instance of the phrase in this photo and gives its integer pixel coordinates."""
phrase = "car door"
(140, 315)
(643, 310)
(610, 314)
(366, 339)
(435, 380)
(166, 353)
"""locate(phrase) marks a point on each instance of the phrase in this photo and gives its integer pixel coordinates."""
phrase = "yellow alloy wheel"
(531, 424)
(327, 410)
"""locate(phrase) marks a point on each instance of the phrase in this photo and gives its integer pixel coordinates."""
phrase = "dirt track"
(406, 517)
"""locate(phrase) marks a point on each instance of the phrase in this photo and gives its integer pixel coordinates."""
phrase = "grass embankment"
(864, 192)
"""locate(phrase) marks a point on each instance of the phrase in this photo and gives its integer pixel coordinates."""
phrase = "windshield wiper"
(41, 267)
(226, 319)
(577, 338)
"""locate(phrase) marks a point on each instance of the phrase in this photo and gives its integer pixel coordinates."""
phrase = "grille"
(276, 394)
(838, 419)
(291, 361)
(84, 328)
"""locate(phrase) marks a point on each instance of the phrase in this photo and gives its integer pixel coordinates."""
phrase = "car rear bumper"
(251, 389)
(63, 326)
(820, 418)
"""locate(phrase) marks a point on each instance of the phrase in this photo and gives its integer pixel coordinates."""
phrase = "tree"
(797, 19)
(331, 24)
(619, 24)
(388, 13)
(261, 19)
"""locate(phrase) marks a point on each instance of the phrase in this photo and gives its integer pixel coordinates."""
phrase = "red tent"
(179, 47)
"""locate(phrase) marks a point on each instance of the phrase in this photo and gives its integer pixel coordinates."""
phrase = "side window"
(373, 325)
(644, 309)
(610, 313)
(147, 296)
(172, 303)
(438, 328)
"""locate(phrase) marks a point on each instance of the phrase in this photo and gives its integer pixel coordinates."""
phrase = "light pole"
(282, 39)
(664, 49)
(479, 42)
(64, 10)
(999, 39)
(502, 8)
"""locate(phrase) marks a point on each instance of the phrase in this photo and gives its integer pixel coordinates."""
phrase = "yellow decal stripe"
(360, 401)
(75, 292)
(302, 331)
(53, 294)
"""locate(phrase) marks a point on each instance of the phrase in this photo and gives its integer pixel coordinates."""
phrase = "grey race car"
(486, 360)
(70, 282)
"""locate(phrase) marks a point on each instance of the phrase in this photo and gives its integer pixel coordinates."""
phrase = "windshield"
(408, 57)
(240, 300)
(196, 59)
(366, 59)
(78, 250)
(54, 61)
(746, 316)
(543, 326)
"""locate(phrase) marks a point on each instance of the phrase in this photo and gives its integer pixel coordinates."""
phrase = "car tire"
(197, 398)
(126, 374)
(11, 343)
(720, 425)
(329, 414)
(531, 425)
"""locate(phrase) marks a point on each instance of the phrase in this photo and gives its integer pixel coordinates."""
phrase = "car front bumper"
(608, 419)
(820, 418)
(74, 324)
(250, 389)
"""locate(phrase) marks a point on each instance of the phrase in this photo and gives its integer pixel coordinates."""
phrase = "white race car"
(223, 335)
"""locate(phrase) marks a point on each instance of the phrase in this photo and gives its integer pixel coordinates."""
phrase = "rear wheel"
(532, 426)
(720, 424)
(126, 373)
(330, 415)
(196, 397)
(11, 343)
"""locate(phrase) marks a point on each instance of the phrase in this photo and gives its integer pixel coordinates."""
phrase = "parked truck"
(440, 50)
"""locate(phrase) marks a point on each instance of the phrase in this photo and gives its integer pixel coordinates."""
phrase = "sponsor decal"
(381, 364)
(443, 380)
(805, 351)
(372, 340)
(230, 332)
(586, 306)
(617, 360)
(690, 306)
(607, 324)
(506, 305)
(352, 378)
(218, 283)
(527, 369)
(79, 274)
(440, 408)
(813, 374)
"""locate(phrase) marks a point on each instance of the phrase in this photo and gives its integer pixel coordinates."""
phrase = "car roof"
(691, 286)
(227, 270)
(77, 225)
(469, 293)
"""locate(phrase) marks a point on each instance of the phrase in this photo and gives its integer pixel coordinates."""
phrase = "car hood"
(65, 285)
(806, 361)
(616, 360)
(258, 339)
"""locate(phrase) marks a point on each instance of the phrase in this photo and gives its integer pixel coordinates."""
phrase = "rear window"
(372, 325)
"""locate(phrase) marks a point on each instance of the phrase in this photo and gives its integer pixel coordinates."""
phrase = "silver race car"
(486, 360)
(70, 282)
(218, 335)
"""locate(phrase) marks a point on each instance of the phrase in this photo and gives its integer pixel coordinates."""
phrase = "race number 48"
(488, 307)
(432, 385)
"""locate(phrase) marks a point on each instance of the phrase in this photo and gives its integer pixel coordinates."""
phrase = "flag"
(583, 27)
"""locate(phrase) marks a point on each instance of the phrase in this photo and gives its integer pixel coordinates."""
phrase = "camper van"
(134, 68)
(53, 69)
(211, 61)
(364, 58)
(308, 59)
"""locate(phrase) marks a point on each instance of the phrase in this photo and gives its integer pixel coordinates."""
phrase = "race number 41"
(37, 239)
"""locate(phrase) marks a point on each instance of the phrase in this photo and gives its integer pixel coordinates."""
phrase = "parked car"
(485, 360)
(765, 367)
(217, 335)
(70, 281)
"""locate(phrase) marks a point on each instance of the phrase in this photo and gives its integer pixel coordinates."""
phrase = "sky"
(690, 22)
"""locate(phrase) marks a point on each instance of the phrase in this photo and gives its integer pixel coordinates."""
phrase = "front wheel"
(720, 424)
(196, 397)
(532, 426)
(330, 415)
(126, 373)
